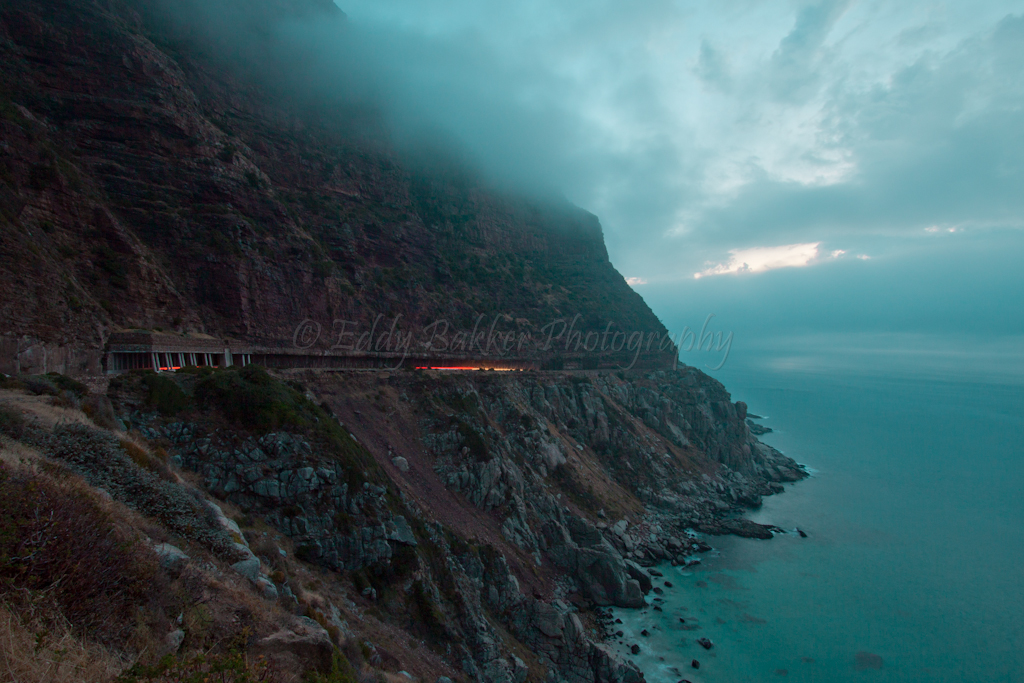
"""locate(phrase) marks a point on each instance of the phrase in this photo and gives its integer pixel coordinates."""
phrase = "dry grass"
(16, 454)
(58, 544)
(50, 655)
(153, 460)
(41, 409)
(46, 411)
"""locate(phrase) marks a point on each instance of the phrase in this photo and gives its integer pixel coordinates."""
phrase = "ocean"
(913, 564)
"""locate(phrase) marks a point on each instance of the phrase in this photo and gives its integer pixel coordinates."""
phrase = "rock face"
(644, 432)
(176, 190)
(278, 475)
(305, 644)
(600, 570)
(171, 558)
(173, 641)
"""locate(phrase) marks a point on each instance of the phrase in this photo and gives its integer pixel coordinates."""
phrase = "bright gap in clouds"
(759, 259)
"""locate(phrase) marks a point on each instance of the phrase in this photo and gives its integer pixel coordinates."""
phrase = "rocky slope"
(529, 498)
(480, 519)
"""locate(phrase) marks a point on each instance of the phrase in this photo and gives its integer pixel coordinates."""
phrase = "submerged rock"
(863, 661)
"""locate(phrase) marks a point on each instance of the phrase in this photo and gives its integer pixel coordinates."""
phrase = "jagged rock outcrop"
(594, 562)
(341, 526)
(650, 433)
(302, 644)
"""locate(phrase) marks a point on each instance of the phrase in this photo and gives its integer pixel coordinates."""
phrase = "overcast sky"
(796, 168)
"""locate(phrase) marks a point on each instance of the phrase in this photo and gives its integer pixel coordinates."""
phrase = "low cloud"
(701, 132)
(760, 259)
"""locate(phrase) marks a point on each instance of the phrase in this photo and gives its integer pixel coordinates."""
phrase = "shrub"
(583, 496)
(468, 403)
(39, 385)
(7, 382)
(164, 394)
(429, 615)
(250, 398)
(404, 561)
(47, 651)
(65, 383)
(55, 541)
(143, 458)
(11, 423)
(306, 553)
(232, 666)
(341, 672)
(65, 399)
(102, 461)
(100, 410)
(473, 440)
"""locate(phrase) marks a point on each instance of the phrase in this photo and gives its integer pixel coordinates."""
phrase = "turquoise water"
(913, 569)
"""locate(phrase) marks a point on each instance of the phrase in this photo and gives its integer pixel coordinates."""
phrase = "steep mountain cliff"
(148, 180)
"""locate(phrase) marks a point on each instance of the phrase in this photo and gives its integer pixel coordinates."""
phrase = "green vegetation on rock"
(164, 394)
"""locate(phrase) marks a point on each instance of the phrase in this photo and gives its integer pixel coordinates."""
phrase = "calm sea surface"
(913, 568)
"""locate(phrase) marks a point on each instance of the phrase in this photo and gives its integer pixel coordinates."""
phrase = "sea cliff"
(351, 524)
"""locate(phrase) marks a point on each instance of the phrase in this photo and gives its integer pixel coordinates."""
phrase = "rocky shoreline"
(650, 548)
(631, 632)
(494, 516)
(480, 436)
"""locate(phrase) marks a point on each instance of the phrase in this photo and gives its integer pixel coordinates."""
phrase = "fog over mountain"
(794, 168)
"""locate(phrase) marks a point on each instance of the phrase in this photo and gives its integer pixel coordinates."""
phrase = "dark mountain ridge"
(150, 182)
